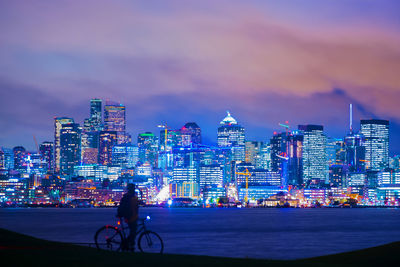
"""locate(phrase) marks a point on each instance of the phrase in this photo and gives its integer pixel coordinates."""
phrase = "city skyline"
(266, 62)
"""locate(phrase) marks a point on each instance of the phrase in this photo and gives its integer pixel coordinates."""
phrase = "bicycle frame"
(122, 226)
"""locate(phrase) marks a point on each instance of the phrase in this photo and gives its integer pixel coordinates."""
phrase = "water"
(254, 233)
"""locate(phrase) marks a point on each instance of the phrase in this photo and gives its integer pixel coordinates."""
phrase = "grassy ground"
(21, 250)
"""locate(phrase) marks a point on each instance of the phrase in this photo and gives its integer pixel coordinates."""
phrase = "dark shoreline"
(22, 250)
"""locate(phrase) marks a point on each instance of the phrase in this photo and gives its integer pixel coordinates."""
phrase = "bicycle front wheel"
(150, 242)
(108, 238)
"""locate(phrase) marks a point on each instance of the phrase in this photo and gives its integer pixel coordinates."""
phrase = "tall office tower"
(355, 152)
(95, 114)
(89, 147)
(70, 148)
(335, 151)
(193, 130)
(265, 155)
(253, 152)
(376, 134)
(148, 148)
(107, 140)
(295, 158)
(46, 151)
(315, 163)
(114, 120)
(19, 155)
(279, 151)
(58, 123)
(231, 134)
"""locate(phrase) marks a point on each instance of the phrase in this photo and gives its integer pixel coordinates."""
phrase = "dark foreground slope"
(21, 250)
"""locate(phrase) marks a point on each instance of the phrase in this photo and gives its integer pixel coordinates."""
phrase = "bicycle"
(114, 238)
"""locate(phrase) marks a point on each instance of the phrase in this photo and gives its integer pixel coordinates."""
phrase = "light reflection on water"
(255, 233)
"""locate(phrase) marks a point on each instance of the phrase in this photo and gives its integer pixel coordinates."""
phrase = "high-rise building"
(19, 155)
(376, 134)
(2, 160)
(193, 130)
(46, 151)
(114, 120)
(355, 152)
(148, 148)
(211, 176)
(125, 155)
(70, 148)
(107, 140)
(295, 158)
(8, 158)
(231, 134)
(279, 151)
(253, 152)
(315, 163)
(95, 114)
(58, 122)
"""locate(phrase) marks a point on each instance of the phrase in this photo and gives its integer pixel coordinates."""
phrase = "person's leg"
(132, 234)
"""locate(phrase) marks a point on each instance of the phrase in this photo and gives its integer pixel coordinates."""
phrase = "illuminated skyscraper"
(95, 114)
(253, 152)
(125, 156)
(58, 122)
(114, 120)
(70, 148)
(355, 152)
(376, 134)
(107, 140)
(295, 158)
(46, 151)
(315, 163)
(19, 155)
(148, 147)
(231, 134)
(193, 130)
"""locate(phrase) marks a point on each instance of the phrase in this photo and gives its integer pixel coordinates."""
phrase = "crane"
(247, 174)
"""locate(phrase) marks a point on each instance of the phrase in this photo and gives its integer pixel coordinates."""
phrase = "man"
(129, 210)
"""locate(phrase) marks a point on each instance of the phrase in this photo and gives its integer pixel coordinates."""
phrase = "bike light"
(147, 217)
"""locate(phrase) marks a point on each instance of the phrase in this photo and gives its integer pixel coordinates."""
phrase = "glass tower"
(376, 134)
(315, 163)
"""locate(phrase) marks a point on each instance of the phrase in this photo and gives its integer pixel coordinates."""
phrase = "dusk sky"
(178, 61)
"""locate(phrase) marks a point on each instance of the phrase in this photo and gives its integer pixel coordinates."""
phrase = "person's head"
(131, 189)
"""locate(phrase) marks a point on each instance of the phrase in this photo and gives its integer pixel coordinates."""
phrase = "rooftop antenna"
(351, 118)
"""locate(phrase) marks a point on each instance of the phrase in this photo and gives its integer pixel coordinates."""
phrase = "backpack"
(124, 208)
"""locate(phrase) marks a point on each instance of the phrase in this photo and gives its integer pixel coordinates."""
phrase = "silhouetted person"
(129, 210)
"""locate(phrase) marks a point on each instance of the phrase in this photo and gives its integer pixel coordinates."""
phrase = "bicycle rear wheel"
(150, 242)
(108, 238)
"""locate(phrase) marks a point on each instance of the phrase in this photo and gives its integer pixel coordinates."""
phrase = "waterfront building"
(315, 164)
(70, 153)
(259, 192)
(376, 134)
(231, 134)
(58, 123)
(46, 151)
(211, 176)
(355, 179)
(388, 177)
(107, 140)
(14, 191)
(213, 194)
